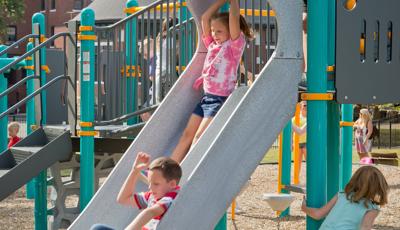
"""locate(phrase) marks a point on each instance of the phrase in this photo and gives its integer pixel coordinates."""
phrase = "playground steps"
(30, 156)
(385, 158)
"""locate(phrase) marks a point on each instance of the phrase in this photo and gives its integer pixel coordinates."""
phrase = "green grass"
(272, 155)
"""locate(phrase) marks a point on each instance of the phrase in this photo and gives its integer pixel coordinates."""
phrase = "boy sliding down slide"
(163, 177)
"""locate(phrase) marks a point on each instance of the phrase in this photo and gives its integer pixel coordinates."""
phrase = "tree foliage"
(11, 11)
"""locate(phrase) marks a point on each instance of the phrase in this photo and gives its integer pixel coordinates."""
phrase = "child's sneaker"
(366, 161)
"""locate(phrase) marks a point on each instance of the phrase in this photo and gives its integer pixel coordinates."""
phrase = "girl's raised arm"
(205, 18)
(234, 19)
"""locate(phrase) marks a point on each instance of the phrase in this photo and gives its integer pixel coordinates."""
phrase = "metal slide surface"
(41, 152)
(229, 150)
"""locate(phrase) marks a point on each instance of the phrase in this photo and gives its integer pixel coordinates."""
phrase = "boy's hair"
(169, 168)
(13, 125)
(367, 183)
(244, 27)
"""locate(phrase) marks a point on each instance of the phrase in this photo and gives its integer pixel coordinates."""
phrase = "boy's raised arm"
(234, 20)
(205, 18)
(125, 195)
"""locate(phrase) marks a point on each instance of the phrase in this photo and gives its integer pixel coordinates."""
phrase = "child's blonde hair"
(367, 183)
(13, 125)
(244, 27)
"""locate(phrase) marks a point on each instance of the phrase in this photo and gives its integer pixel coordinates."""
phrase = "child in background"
(356, 207)
(13, 129)
(224, 36)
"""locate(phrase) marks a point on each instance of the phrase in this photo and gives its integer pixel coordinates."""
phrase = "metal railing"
(388, 132)
(15, 44)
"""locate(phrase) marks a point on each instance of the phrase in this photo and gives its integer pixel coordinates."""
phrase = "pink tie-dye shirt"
(221, 65)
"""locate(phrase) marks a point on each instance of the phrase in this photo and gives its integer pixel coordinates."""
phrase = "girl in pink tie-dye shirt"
(224, 36)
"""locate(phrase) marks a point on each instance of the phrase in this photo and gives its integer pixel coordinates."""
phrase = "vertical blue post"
(183, 16)
(30, 113)
(317, 41)
(346, 148)
(3, 106)
(333, 159)
(41, 180)
(286, 160)
(222, 224)
(132, 74)
(87, 107)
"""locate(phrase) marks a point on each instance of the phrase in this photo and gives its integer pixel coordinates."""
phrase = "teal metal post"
(333, 157)
(30, 115)
(286, 160)
(317, 109)
(41, 180)
(87, 108)
(131, 50)
(346, 146)
(3, 105)
(186, 41)
(222, 224)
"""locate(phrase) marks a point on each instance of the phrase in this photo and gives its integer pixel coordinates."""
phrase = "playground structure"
(112, 70)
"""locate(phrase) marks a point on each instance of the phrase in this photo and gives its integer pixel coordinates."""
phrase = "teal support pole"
(317, 41)
(30, 115)
(41, 180)
(3, 104)
(87, 109)
(222, 224)
(333, 157)
(186, 50)
(286, 160)
(346, 146)
(132, 75)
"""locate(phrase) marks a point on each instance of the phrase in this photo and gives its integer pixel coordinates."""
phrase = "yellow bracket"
(28, 58)
(317, 96)
(42, 38)
(85, 28)
(35, 127)
(346, 123)
(164, 7)
(132, 10)
(330, 69)
(257, 13)
(130, 71)
(182, 68)
(46, 68)
(86, 124)
(88, 133)
(30, 67)
(87, 37)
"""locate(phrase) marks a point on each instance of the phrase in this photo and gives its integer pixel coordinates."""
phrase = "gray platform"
(230, 149)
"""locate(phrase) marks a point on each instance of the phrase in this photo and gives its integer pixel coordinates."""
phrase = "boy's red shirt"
(13, 141)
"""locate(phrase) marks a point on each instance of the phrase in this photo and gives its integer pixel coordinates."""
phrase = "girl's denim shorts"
(209, 105)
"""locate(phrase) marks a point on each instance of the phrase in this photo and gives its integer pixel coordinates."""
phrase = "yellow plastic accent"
(87, 37)
(182, 68)
(46, 68)
(86, 124)
(346, 123)
(317, 96)
(42, 38)
(264, 13)
(30, 67)
(85, 28)
(330, 68)
(362, 46)
(31, 40)
(35, 127)
(87, 133)
(28, 58)
(233, 206)
(130, 71)
(296, 152)
(132, 10)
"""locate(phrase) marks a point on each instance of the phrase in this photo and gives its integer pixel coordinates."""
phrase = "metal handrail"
(138, 13)
(18, 42)
(35, 49)
(126, 116)
(16, 85)
(30, 96)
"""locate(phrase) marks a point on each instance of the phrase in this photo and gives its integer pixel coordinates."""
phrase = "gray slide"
(30, 156)
(230, 149)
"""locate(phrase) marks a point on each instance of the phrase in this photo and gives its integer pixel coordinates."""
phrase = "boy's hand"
(142, 161)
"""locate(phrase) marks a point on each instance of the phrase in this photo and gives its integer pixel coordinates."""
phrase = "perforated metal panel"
(370, 74)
